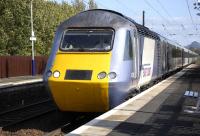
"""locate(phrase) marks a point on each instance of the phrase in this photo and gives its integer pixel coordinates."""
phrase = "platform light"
(101, 75)
(56, 74)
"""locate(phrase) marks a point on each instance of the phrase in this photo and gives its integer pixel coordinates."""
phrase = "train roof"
(144, 30)
(95, 18)
(141, 29)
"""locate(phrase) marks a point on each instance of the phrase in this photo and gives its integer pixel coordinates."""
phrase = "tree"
(15, 26)
(92, 4)
(79, 5)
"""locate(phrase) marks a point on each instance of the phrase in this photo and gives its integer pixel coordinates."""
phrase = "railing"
(12, 66)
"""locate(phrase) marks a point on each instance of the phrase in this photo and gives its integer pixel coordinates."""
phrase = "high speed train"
(100, 56)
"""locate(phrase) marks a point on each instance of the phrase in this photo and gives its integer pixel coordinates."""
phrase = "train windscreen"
(87, 40)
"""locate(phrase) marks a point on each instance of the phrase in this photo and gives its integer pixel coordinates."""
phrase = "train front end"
(79, 79)
(87, 70)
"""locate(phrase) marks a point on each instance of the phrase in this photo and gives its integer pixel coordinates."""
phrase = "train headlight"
(112, 75)
(49, 73)
(56, 74)
(101, 75)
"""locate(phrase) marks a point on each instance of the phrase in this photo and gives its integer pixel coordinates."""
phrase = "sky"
(170, 18)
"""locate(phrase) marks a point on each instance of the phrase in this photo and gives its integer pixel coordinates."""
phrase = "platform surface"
(21, 80)
(159, 111)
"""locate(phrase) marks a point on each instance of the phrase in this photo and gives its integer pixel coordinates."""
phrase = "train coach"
(100, 56)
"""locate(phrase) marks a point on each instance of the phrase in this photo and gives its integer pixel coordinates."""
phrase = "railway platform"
(170, 107)
(21, 80)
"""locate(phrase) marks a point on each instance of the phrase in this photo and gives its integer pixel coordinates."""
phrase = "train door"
(135, 60)
(182, 57)
(164, 57)
(140, 46)
(158, 61)
(167, 57)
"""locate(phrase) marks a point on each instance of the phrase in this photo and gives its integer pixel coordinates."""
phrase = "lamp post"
(32, 38)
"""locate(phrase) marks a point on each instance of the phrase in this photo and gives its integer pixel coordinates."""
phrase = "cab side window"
(128, 51)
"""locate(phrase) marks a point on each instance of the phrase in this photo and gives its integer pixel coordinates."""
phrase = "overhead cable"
(191, 15)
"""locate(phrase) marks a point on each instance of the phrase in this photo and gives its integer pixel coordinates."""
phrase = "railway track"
(20, 114)
(75, 122)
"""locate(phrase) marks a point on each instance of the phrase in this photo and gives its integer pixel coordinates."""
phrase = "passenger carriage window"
(128, 50)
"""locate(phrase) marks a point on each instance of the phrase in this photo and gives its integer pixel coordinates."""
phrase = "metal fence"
(12, 66)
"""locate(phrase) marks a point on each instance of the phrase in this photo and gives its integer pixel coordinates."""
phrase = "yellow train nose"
(78, 88)
(81, 97)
